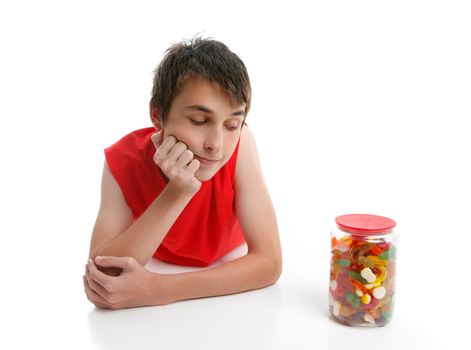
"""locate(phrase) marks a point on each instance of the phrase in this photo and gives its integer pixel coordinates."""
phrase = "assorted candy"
(362, 280)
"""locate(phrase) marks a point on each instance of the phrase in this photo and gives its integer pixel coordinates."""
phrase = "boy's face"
(204, 117)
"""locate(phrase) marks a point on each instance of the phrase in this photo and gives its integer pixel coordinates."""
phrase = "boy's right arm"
(115, 233)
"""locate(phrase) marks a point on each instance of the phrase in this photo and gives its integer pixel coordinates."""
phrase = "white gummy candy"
(379, 292)
(368, 275)
(368, 318)
(333, 284)
(336, 308)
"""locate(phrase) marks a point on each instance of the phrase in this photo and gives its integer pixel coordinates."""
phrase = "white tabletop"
(44, 304)
(293, 313)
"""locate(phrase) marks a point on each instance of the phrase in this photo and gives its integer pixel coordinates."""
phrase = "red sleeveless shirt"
(206, 230)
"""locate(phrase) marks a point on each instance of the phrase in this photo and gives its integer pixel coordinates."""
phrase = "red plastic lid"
(365, 224)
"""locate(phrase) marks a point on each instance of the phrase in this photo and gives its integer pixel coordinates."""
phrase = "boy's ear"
(155, 116)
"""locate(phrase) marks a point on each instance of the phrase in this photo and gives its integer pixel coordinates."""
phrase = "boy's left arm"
(259, 268)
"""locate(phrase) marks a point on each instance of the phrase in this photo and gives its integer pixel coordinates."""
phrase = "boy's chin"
(204, 175)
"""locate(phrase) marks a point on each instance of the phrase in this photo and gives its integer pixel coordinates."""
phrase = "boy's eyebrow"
(204, 109)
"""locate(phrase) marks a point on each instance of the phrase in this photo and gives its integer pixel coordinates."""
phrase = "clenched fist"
(177, 162)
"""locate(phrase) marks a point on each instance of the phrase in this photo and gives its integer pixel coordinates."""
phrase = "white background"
(358, 107)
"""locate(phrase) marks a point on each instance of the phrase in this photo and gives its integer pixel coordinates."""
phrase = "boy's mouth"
(206, 161)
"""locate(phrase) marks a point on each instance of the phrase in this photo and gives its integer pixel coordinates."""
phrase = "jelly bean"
(376, 250)
(388, 254)
(365, 299)
(335, 271)
(343, 262)
(353, 299)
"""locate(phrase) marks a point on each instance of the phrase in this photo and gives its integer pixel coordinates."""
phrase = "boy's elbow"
(277, 269)
(273, 269)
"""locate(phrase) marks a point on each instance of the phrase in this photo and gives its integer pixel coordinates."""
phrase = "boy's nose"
(214, 140)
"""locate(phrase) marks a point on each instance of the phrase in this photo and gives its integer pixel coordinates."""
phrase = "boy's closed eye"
(231, 125)
(198, 121)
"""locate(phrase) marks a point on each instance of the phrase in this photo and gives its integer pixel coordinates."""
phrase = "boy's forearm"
(144, 236)
(246, 273)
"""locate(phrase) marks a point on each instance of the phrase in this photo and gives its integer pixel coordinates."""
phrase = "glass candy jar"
(362, 270)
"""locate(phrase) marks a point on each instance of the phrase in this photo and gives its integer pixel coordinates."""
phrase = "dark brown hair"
(203, 58)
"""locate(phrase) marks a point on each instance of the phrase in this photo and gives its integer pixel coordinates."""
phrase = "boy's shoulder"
(136, 138)
(131, 148)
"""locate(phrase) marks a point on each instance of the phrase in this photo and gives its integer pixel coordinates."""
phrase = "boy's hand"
(177, 163)
(134, 287)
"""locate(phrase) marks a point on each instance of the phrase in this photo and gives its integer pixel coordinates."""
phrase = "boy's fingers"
(177, 150)
(194, 166)
(93, 297)
(166, 145)
(157, 138)
(122, 262)
(99, 277)
(185, 158)
(94, 286)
